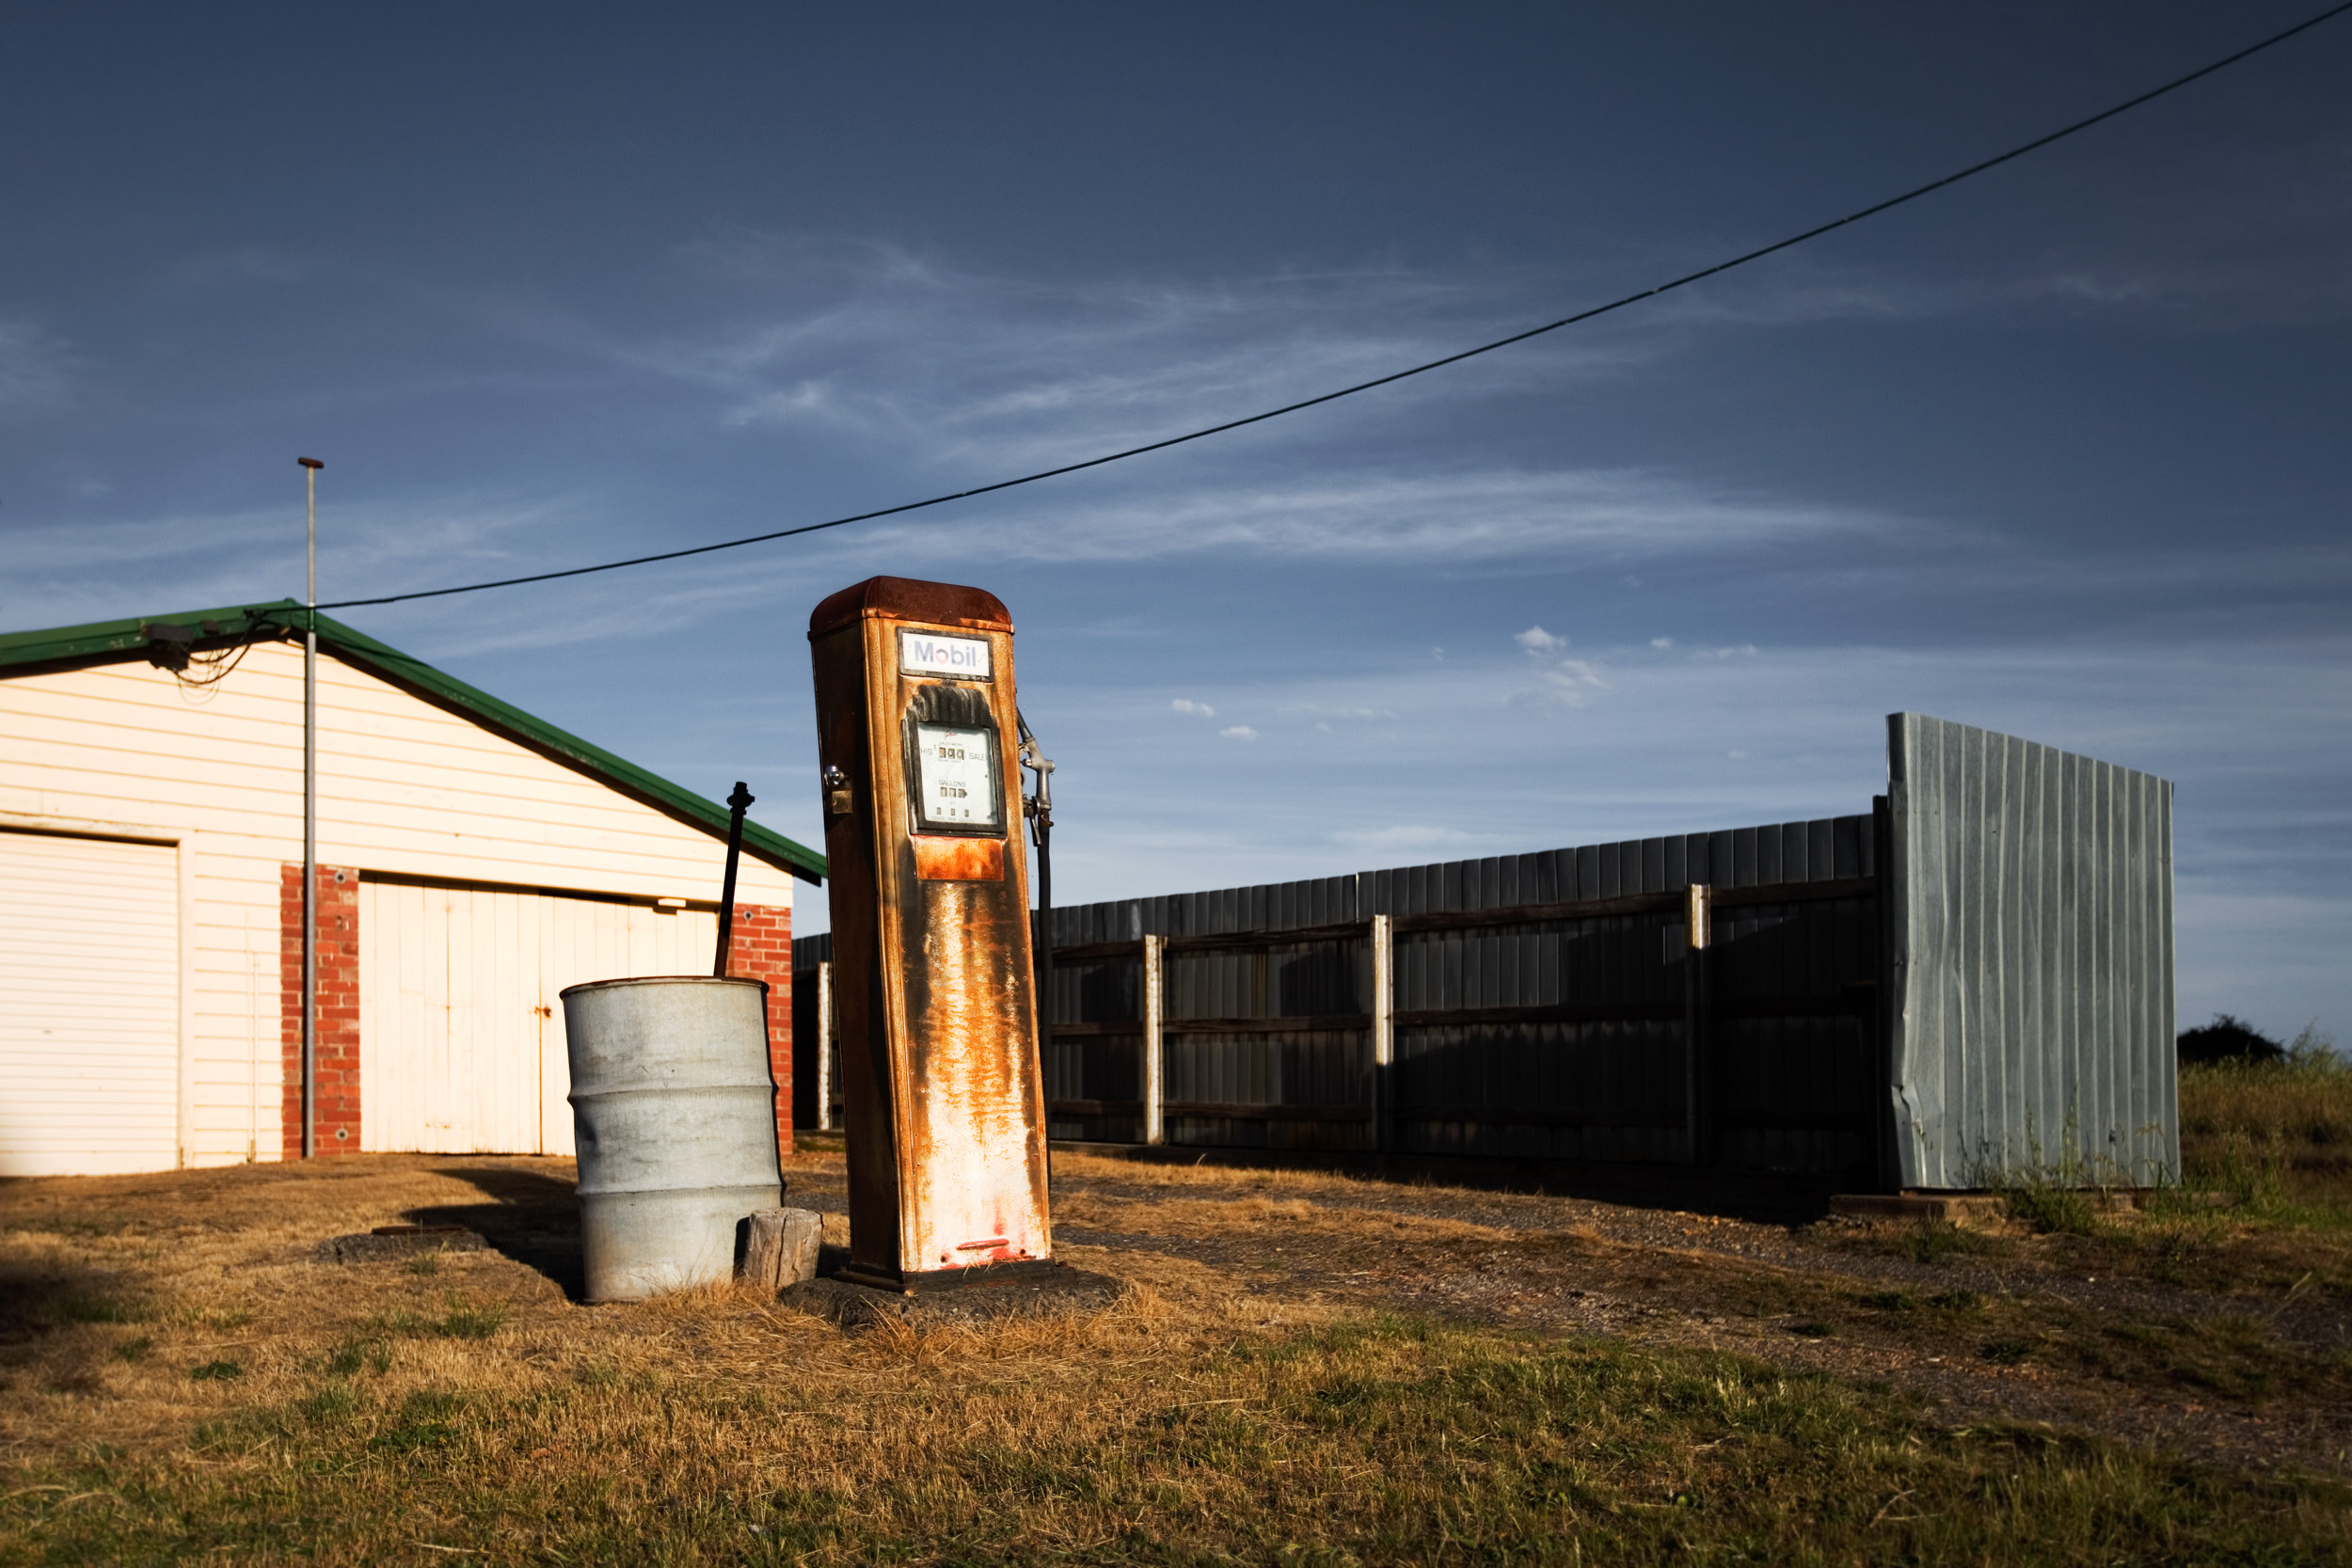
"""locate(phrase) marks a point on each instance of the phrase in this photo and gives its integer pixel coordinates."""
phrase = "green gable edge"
(104, 642)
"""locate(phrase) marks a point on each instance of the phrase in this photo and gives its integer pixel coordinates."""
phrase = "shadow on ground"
(532, 1218)
(1757, 1196)
(39, 1298)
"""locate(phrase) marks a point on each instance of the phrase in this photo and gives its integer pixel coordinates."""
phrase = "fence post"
(824, 1047)
(1154, 1064)
(1698, 918)
(1383, 1030)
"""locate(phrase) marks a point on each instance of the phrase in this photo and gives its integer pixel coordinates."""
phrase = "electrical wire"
(218, 665)
(1684, 281)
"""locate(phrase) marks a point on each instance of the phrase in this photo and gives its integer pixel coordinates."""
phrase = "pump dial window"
(955, 776)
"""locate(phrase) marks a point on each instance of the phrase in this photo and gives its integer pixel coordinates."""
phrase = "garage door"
(461, 1031)
(89, 1005)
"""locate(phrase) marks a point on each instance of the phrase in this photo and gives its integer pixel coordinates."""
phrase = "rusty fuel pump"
(920, 745)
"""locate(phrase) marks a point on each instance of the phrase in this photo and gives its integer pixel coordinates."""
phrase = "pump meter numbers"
(955, 777)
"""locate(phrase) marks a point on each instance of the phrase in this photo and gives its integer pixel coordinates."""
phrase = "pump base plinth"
(930, 1282)
(1010, 1290)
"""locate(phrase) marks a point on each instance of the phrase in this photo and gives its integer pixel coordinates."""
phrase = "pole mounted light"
(310, 466)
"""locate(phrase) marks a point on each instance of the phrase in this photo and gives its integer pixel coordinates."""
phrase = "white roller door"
(89, 1005)
(461, 1032)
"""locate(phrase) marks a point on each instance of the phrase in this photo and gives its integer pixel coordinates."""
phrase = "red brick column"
(338, 1028)
(760, 948)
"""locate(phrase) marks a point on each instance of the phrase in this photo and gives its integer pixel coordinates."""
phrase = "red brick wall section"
(338, 1037)
(760, 948)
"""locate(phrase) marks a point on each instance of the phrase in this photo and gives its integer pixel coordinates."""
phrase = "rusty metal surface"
(911, 602)
(959, 860)
(932, 978)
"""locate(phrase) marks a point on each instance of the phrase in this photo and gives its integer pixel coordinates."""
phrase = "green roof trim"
(105, 642)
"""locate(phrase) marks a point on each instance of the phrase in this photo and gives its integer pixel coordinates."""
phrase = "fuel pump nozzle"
(1038, 809)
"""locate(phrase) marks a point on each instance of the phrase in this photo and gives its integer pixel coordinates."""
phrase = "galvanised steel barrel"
(676, 1114)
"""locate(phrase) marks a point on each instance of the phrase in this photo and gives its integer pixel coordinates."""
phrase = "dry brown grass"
(380, 1413)
(2280, 1134)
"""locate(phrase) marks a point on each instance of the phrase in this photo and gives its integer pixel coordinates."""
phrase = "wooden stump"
(779, 1247)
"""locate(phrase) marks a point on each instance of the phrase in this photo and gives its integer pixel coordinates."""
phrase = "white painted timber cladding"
(89, 1005)
(461, 1029)
(405, 789)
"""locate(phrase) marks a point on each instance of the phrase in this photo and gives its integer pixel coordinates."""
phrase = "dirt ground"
(2011, 1326)
(2207, 1339)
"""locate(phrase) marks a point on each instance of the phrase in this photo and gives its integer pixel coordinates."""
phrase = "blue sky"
(2059, 451)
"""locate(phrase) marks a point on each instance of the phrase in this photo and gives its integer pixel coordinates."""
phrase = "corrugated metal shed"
(2032, 1023)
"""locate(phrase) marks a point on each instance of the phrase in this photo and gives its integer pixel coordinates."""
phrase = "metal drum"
(675, 1111)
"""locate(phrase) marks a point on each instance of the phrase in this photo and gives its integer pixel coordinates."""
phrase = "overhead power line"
(1684, 281)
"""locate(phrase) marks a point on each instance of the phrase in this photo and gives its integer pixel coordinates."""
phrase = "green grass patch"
(355, 1355)
(2053, 1209)
(459, 1320)
(1935, 1241)
(333, 1406)
(425, 1419)
(80, 1227)
(470, 1323)
(102, 1309)
(216, 1319)
(1373, 1441)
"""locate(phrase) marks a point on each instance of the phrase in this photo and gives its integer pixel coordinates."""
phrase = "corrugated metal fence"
(2033, 1026)
(1551, 1006)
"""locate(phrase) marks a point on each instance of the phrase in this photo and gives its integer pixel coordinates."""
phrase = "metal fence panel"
(1795, 1091)
(2032, 1022)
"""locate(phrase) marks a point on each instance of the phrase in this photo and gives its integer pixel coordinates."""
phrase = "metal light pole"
(310, 466)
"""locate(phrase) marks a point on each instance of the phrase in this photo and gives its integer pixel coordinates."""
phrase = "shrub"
(2229, 1038)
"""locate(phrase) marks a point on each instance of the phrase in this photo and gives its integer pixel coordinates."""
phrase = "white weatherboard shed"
(474, 861)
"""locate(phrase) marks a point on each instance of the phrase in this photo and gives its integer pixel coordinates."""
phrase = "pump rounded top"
(936, 603)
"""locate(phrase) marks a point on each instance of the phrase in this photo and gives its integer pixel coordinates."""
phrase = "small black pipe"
(739, 799)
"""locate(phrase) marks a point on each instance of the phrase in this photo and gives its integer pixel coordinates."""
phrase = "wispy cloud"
(1322, 711)
(1410, 838)
(952, 366)
(35, 368)
(238, 266)
(1466, 516)
(1568, 684)
(92, 570)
